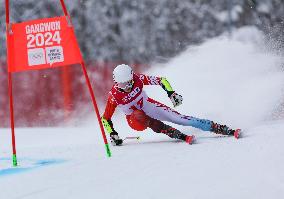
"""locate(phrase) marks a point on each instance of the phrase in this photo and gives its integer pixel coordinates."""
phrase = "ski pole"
(132, 138)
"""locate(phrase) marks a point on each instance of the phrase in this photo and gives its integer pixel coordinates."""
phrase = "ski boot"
(225, 130)
(115, 139)
(176, 134)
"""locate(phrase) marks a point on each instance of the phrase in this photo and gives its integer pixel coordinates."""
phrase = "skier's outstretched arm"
(106, 120)
(164, 83)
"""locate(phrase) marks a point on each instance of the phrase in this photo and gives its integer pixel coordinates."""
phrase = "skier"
(142, 111)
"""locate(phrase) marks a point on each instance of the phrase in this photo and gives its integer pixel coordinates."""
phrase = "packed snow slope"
(234, 81)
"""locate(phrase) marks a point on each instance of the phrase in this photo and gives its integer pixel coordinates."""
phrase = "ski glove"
(176, 99)
(115, 140)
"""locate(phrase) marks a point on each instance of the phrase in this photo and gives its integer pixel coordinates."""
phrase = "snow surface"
(232, 81)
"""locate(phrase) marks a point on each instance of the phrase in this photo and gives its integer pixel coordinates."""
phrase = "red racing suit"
(137, 99)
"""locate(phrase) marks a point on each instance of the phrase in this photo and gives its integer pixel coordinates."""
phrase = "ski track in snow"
(71, 162)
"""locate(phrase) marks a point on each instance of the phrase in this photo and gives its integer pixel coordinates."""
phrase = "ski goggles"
(126, 85)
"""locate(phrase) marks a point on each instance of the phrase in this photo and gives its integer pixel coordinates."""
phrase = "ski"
(237, 133)
(190, 139)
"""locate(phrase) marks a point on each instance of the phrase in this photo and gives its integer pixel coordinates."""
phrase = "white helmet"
(122, 73)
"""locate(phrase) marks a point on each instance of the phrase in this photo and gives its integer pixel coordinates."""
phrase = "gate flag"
(42, 43)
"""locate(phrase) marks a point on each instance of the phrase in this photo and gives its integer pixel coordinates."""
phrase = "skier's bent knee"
(138, 120)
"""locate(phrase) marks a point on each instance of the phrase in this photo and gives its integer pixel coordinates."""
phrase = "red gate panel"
(42, 43)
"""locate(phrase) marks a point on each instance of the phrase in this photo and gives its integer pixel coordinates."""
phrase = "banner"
(42, 43)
